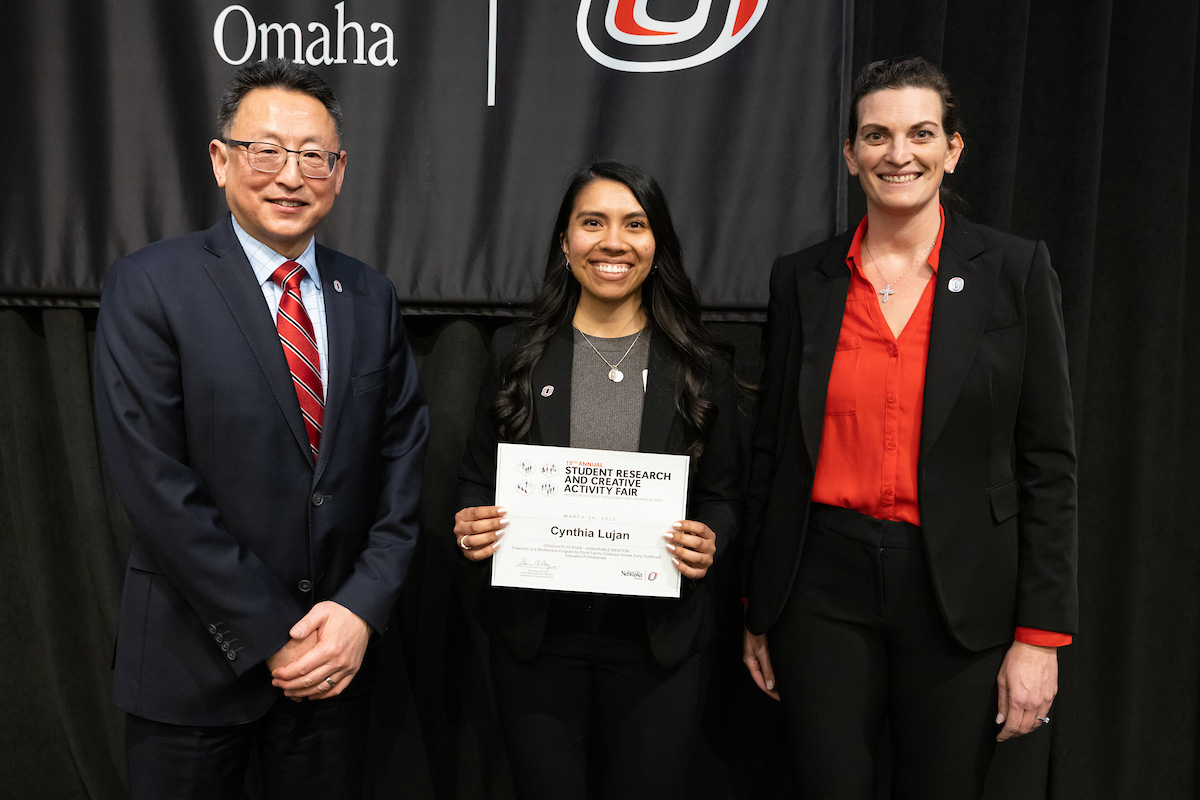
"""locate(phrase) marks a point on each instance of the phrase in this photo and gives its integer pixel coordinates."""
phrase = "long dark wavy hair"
(668, 298)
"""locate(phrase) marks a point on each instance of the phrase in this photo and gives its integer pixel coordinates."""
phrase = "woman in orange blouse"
(912, 500)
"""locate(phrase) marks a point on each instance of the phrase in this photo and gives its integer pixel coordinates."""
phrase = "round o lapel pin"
(547, 390)
(956, 284)
(337, 286)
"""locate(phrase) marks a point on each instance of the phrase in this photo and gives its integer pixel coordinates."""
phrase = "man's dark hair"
(276, 73)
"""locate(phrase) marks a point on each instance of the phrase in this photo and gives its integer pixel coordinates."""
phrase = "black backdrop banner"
(463, 119)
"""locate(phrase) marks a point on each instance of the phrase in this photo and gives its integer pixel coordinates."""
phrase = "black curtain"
(1074, 111)
(1080, 126)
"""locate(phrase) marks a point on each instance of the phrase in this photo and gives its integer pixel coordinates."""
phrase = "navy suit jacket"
(676, 627)
(996, 469)
(237, 532)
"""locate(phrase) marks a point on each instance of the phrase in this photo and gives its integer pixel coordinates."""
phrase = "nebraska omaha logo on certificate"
(588, 520)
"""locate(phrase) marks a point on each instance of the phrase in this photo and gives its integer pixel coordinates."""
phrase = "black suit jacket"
(996, 469)
(676, 627)
(237, 532)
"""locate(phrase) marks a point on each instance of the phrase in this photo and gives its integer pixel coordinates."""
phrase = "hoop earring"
(566, 262)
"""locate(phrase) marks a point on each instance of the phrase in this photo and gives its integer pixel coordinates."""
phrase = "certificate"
(588, 520)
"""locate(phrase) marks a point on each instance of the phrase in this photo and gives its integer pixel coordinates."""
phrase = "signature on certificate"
(540, 563)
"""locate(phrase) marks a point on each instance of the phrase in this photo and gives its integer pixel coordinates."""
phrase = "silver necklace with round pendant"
(614, 374)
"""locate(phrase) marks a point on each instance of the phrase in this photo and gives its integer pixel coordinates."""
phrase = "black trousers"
(862, 641)
(594, 717)
(314, 749)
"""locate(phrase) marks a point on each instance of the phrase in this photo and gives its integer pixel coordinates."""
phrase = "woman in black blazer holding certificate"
(598, 695)
(912, 512)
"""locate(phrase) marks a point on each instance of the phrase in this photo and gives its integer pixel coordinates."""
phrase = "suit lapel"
(551, 385)
(340, 329)
(658, 409)
(234, 278)
(821, 298)
(958, 322)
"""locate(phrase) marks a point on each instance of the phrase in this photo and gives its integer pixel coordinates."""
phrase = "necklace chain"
(615, 375)
(887, 291)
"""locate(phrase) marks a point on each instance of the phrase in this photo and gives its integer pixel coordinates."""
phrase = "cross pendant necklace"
(887, 291)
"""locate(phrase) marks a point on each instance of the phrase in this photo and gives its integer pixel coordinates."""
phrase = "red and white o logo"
(627, 22)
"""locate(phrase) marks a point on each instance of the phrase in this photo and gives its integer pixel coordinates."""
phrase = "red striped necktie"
(300, 347)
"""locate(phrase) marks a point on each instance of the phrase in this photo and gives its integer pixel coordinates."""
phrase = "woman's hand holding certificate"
(478, 530)
(693, 546)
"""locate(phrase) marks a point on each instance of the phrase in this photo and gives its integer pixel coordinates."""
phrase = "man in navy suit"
(262, 419)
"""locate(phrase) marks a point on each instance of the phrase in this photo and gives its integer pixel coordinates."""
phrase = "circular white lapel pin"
(956, 284)
(337, 286)
(547, 391)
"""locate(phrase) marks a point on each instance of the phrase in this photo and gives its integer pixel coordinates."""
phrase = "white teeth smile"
(287, 203)
(612, 269)
(899, 178)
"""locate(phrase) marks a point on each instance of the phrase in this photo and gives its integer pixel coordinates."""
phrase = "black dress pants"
(594, 717)
(862, 641)
(314, 749)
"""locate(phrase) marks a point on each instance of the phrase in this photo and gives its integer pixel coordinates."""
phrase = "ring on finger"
(1044, 720)
(330, 681)
(463, 543)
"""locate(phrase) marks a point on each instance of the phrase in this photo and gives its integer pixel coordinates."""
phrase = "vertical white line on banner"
(492, 52)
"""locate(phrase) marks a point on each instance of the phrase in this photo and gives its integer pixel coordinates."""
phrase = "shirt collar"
(264, 261)
(854, 255)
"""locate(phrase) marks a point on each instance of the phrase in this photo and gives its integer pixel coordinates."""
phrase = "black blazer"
(996, 470)
(676, 627)
(237, 533)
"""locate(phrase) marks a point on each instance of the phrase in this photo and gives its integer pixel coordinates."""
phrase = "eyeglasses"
(267, 157)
